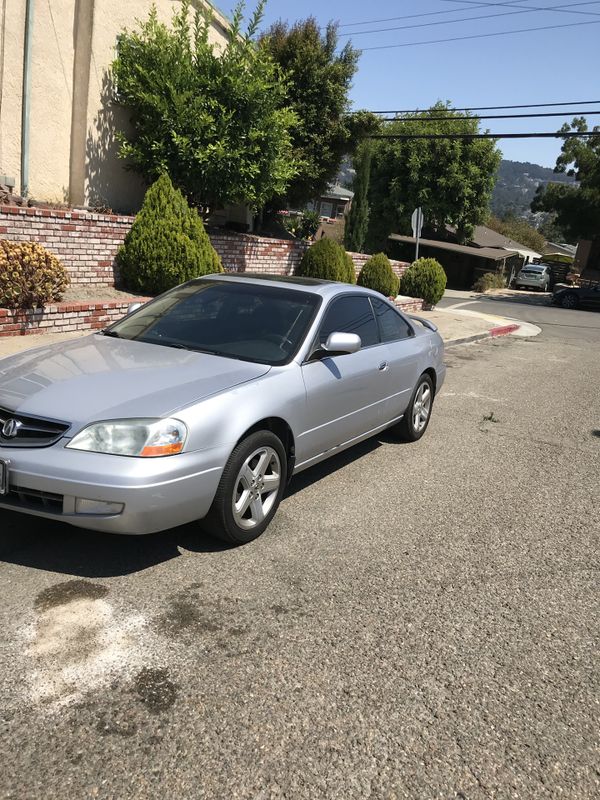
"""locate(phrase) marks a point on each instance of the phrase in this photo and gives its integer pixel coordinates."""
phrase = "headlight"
(146, 438)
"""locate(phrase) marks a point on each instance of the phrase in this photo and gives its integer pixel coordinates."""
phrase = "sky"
(545, 66)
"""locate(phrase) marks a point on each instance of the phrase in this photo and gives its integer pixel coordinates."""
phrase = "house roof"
(337, 192)
(486, 237)
(563, 249)
(492, 253)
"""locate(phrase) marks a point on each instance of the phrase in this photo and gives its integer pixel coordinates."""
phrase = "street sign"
(417, 226)
(417, 222)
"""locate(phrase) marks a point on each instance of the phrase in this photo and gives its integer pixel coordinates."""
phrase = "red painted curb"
(503, 330)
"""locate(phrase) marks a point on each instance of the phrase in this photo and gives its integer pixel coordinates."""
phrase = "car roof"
(311, 285)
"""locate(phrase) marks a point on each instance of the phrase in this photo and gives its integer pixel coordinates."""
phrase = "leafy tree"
(451, 179)
(377, 274)
(325, 259)
(577, 208)
(216, 122)
(519, 230)
(319, 80)
(167, 244)
(358, 218)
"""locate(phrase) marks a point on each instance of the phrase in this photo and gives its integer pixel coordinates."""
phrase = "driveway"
(420, 620)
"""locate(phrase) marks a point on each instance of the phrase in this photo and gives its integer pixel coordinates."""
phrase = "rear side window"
(391, 325)
(351, 314)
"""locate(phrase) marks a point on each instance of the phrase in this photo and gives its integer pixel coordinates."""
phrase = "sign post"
(417, 226)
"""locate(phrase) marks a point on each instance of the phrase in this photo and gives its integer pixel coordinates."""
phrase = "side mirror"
(133, 307)
(342, 344)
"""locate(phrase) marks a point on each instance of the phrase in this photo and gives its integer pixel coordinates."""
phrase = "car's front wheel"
(569, 300)
(417, 415)
(250, 490)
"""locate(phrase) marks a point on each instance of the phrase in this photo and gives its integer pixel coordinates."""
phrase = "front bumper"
(155, 493)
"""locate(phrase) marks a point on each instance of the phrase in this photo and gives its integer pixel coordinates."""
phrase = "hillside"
(516, 186)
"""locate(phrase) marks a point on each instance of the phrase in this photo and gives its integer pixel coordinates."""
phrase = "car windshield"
(244, 321)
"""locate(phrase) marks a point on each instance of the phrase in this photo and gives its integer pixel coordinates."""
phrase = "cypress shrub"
(325, 259)
(377, 274)
(30, 276)
(424, 278)
(167, 244)
(349, 269)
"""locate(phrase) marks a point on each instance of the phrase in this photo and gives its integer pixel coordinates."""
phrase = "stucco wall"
(73, 149)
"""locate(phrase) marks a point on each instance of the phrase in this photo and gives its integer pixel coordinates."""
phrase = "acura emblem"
(10, 428)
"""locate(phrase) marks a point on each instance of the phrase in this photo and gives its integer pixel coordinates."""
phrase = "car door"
(345, 394)
(592, 297)
(404, 356)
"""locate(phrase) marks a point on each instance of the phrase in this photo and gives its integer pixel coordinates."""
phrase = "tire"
(241, 512)
(569, 300)
(407, 429)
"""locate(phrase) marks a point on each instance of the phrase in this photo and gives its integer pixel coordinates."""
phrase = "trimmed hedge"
(326, 260)
(30, 276)
(377, 274)
(167, 244)
(424, 278)
(490, 280)
(350, 269)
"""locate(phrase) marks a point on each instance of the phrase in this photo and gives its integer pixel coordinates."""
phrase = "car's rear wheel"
(417, 415)
(569, 300)
(250, 489)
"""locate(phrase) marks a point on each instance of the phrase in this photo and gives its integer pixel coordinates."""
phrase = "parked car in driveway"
(204, 402)
(534, 276)
(577, 296)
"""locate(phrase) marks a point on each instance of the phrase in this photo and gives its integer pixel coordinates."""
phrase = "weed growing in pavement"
(491, 417)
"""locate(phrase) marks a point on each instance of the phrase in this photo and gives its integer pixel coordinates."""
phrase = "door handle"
(383, 366)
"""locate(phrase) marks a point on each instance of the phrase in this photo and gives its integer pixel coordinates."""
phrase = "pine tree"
(358, 219)
(167, 244)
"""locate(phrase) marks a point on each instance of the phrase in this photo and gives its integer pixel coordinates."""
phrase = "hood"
(96, 378)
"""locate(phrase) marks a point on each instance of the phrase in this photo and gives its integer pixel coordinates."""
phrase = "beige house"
(57, 121)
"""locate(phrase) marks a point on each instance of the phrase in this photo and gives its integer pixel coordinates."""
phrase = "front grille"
(20, 497)
(29, 431)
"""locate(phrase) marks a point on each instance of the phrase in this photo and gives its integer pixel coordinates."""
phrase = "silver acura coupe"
(203, 403)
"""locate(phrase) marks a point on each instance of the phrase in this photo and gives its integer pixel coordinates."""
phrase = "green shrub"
(325, 259)
(377, 274)
(302, 226)
(349, 268)
(426, 279)
(167, 244)
(30, 276)
(490, 280)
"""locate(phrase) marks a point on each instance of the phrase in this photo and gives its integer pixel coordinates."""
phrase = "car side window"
(392, 327)
(350, 314)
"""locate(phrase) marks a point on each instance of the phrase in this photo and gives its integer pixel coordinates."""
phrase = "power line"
(546, 135)
(489, 108)
(481, 35)
(491, 116)
(470, 19)
(475, 3)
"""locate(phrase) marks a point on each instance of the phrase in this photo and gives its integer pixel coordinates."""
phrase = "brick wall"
(87, 244)
(63, 317)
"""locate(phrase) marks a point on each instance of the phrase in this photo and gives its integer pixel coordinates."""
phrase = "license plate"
(3, 477)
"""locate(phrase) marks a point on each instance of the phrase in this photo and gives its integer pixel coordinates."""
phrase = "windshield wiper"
(112, 334)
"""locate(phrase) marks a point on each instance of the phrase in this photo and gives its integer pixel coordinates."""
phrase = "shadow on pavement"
(44, 544)
(521, 298)
(53, 546)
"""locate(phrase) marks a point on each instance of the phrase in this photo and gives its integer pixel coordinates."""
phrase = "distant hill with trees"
(516, 185)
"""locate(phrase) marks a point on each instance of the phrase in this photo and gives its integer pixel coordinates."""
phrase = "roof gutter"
(26, 98)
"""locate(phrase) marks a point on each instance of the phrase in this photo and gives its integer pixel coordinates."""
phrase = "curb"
(502, 330)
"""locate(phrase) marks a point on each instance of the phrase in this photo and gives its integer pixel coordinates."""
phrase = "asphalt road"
(420, 621)
(582, 326)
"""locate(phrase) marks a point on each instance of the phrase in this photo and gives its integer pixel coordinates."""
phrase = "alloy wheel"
(421, 407)
(256, 488)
